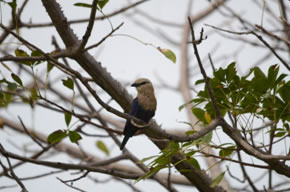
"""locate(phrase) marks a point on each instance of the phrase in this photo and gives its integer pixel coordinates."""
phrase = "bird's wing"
(134, 108)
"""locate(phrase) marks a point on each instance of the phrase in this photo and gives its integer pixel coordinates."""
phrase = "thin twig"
(89, 27)
(31, 136)
(272, 50)
(12, 171)
(71, 186)
(103, 39)
(246, 174)
(68, 166)
(212, 97)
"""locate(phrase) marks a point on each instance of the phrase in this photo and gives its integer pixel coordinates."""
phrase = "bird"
(143, 108)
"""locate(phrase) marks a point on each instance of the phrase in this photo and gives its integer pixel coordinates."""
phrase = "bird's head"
(143, 86)
(146, 97)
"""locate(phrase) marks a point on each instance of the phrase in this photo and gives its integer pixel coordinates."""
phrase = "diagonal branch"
(89, 27)
(212, 97)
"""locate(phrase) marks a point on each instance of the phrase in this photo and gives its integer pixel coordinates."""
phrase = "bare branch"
(12, 171)
(89, 27)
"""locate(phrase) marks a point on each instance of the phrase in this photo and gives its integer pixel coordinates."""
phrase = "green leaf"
(183, 105)
(5, 99)
(194, 162)
(11, 86)
(49, 67)
(173, 145)
(199, 81)
(259, 73)
(162, 160)
(21, 53)
(83, 5)
(207, 138)
(199, 113)
(17, 79)
(56, 136)
(231, 72)
(36, 53)
(259, 82)
(1, 95)
(226, 151)
(272, 75)
(190, 154)
(220, 74)
(186, 123)
(190, 132)
(207, 117)
(34, 94)
(101, 145)
(217, 180)
(150, 173)
(102, 3)
(284, 92)
(279, 134)
(168, 53)
(74, 136)
(69, 83)
(67, 117)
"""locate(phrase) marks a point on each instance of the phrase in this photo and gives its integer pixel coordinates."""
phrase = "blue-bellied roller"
(143, 107)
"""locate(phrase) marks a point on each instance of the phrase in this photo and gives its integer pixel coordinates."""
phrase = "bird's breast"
(147, 102)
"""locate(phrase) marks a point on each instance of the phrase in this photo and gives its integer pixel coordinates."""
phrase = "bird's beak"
(134, 85)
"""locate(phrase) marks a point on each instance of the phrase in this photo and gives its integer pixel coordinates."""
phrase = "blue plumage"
(143, 107)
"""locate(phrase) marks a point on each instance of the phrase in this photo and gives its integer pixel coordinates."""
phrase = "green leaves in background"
(218, 179)
(56, 136)
(69, 83)
(161, 161)
(257, 93)
(74, 136)
(224, 152)
(49, 67)
(16, 79)
(168, 54)
(67, 117)
(34, 94)
(6, 87)
(5, 99)
(101, 4)
(22, 53)
(101, 145)
(194, 162)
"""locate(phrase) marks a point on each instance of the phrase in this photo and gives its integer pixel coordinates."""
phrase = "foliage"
(58, 135)
(264, 96)
(255, 94)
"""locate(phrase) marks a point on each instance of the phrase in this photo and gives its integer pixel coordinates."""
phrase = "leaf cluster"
(257, 93)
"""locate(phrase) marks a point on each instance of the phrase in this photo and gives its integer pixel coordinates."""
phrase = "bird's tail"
(125, 140)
